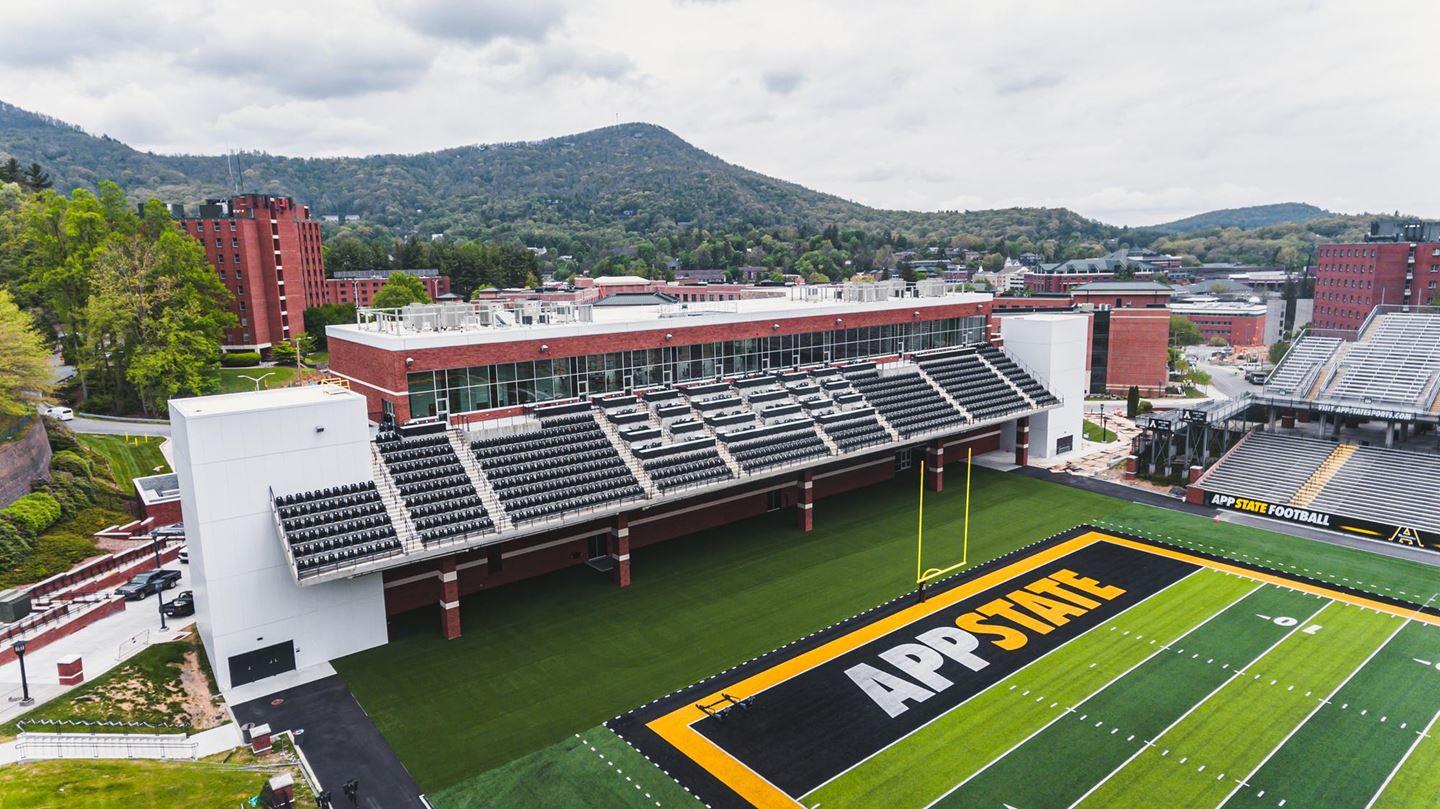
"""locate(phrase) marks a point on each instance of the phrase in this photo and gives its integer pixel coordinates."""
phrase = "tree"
(1183, 332)
(157, 316)
(24, 359)
(1278, 351)
(329, 314)
(10, 171)
(36, 179)
(401, 289)
(531, 282)
(283, 353)
(1132, 401)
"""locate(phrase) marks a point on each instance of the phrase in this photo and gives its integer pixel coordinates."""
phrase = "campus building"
(266, 249)
(485, 442)
(1398, 264)
(1238, 323)
(359, 286)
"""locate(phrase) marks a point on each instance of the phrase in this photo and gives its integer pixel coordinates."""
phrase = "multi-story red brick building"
(1237, 323)
(267, 251)
(1397, 264)
(359, 287)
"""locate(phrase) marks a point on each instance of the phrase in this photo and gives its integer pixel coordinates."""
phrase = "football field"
(1093, 669)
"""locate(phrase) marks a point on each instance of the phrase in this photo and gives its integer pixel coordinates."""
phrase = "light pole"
(256, 379)
(1102, 422)
(159, 594)
(25, 698)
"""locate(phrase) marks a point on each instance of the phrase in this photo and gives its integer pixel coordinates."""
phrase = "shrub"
(61, 439)
(70, 461)
(34, 512)
(283, 354)
(240, 359)
(59, 551)
(1146, 406)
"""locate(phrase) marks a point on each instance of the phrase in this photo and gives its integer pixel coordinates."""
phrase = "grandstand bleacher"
(1295, 373)
(582, 456)
(434, 486)
(567, 464)
(333, 526)
(1395, 362)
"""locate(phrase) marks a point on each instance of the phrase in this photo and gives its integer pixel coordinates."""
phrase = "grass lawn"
(129, 456)
(213, 782)
(548, 658)
(279, 377)
(148, 687)
(1094, 432)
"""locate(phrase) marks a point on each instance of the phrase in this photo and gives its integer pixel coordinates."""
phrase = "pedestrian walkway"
(101, 646)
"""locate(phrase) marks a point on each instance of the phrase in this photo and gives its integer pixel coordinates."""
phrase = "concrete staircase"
(622, 448)
(829, 444)
(390, 495)
(1327, 469)
(460, 442)
(720, 449)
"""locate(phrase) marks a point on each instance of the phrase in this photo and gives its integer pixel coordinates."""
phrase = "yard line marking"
(1117, 678)
(1009, 677)
(1191, 709)
(1318, 706)
(1419, 737)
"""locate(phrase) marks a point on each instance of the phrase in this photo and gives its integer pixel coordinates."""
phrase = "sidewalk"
(99, 646)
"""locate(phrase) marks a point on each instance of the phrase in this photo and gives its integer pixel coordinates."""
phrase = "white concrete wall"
(229, 451)
(1052, 347)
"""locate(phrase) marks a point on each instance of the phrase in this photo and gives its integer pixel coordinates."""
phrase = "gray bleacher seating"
(333, 527)
(1296, 372)
(437, 491)
(1396, 362)
(854, 430)
(568, 464)
(1267, 466)
(907, 402)
(1395, 487)
(788, 444)
(693, 466)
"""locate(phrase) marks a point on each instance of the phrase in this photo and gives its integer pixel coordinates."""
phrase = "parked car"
(184, 556)
(151, 581)
(181, 605)
(172, 531)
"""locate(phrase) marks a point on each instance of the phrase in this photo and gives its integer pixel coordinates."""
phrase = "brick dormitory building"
(483, 442)
(1398, 264)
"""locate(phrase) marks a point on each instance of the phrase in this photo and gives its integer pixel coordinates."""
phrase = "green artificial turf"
(1102, 732)
(992, 722)
(1233, 731)
(1364, 731)
(543, 659)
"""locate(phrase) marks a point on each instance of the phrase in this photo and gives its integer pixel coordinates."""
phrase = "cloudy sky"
(1129, 112)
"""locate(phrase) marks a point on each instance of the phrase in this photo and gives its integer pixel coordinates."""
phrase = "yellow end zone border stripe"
(676, 727)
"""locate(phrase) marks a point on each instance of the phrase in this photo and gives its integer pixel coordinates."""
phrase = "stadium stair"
(1008, 381)
(735, 468)
(946, 396)
(622, 448)
(390, 496)
(1310, 489)
(460, 441)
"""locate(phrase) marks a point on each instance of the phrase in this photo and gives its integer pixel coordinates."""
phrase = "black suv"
(181, 605)
(151, 581)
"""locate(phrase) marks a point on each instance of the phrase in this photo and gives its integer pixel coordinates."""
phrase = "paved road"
(339, 741)
(80, 424)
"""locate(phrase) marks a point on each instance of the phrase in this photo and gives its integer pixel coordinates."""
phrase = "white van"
(58, 412)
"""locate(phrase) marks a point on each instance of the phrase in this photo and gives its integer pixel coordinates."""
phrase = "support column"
(620, 550)
(1389, 434)
(1022, 441)
(935, 467)
(449, 599)
(805, 501)
(1404, 432)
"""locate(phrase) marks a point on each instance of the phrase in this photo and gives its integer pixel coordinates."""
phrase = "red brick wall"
(371, 368)
(1350, 282)
(361, 291)
(165, 513)
(1139, 339)
(1237, 330)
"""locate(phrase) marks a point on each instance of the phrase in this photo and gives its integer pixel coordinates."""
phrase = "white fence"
(33, 746)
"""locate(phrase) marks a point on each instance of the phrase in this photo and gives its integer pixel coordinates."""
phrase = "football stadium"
(787, 548)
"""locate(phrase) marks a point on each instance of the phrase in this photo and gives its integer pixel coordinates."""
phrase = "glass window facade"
(460, 390)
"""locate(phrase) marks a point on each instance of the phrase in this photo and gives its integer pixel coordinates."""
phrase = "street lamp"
(25, 698)
(256, 379)
(159, 594)
(352, 791)
(1102, 422)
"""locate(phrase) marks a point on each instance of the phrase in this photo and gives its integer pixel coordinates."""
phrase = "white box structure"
(229, 451)
(1052, 348)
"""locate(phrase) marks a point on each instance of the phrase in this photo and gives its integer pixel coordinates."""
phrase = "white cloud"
(1125, 111)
